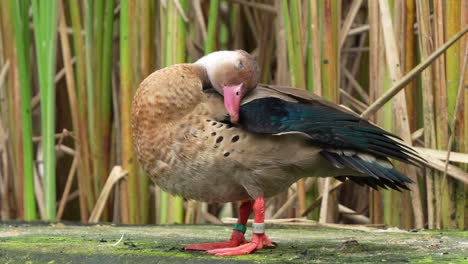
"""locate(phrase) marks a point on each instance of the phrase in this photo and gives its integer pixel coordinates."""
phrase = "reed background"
(68, 70)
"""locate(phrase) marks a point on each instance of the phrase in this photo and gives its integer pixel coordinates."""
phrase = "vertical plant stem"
(464, 122)
(299, 79)
(210, 44)
(83, 184)
(21, 24)
(179, 55)
(378, 84)
(97, 147)
(166, 200)
(89, 43)
(148, 65)
(80, 57)
(126, 101)
(425, 47)
(330, 51)
(106, 97)
(289, 42)
(391, 54)
(330, 77)
(441, 106)
(455, 192)
(45, 20)
(13, 113)
(80, 123)
(315, 75)
(297, 44)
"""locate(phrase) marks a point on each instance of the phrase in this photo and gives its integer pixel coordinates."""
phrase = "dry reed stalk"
(401, 83)
(425, 47)
(282, 76)
(453, 125)
(82, 101)
(83, 180)
(353, 10)
(12, 116)
(300, 70)
(391, 52)
(315, 53)
(452, 171)
(455, 62)
(39, 193)
(458, 157)
(330, 77)
(356, 104)
(67, 188)
(257, 5)
(357, 87)
(291, 200)
(357, 61)
(378, 202)
(404, 13)
(409, 57)
(464, 136)
(323, 218)
(4, 175)
(116, 174)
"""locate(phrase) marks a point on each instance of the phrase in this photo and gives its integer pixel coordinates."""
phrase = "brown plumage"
(183, 146)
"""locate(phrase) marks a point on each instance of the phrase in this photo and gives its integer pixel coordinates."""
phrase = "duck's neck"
(200, 71)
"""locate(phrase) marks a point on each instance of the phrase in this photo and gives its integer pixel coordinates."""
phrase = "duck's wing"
(346, 140)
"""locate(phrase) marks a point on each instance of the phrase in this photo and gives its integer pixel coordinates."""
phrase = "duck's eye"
(240, 65)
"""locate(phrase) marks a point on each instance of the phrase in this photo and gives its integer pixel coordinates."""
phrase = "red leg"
(258, 237)
(237, 236)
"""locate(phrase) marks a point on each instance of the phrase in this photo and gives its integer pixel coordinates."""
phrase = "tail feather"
(380, 171)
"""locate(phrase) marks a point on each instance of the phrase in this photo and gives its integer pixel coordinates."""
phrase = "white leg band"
(258, 228)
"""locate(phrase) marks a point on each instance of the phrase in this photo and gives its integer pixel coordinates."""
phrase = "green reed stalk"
(106, 96)
(97, 148)
(289, 42)
(79, 55)
(314, 78)
(179, 55)
(297, 44)
(81, 124)
(45, 21)
(21, 25)
(210, 44)
(126, 103)
(165, 211)
(148, 65)
(89, 44)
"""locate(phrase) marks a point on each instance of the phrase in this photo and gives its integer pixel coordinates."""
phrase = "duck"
(208, 131)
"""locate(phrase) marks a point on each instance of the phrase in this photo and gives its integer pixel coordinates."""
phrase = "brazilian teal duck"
(208, 131)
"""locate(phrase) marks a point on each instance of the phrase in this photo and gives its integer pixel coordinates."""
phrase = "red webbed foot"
(258, 237)
(258, 240)
(237, 238)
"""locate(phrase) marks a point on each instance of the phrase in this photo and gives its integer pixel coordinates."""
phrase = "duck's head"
(233, 74)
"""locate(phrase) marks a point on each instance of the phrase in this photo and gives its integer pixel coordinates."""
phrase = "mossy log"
(63, 243)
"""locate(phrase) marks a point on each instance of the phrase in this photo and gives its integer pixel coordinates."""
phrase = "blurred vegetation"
(68, 71)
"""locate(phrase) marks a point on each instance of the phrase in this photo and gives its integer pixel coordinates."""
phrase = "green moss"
(163, 244)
